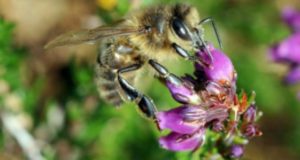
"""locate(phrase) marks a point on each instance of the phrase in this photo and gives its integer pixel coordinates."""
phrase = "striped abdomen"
(112, 57)
(106, 84)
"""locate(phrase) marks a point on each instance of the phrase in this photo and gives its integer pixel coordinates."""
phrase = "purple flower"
(208, 98)
(188, 119)
(292, 18)
(287, 51)
(220, 70)
(184, 119)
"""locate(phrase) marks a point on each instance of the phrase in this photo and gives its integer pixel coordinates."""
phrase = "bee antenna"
(212, 22)
(203, 45)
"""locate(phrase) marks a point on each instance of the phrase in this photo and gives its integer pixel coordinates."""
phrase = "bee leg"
(181, 52)
(164, 73)
(145, 104)
(211, 20)
(185, 54)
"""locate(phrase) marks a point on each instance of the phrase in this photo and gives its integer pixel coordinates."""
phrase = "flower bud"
(250, 114)
(236, 151)
(250, 130)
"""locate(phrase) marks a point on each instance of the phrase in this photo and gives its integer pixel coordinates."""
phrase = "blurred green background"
(52, 96)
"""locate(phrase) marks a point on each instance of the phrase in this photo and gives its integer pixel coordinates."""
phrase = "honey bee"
(144, 37)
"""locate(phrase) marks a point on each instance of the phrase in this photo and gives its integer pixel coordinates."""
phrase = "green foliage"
(6, 29)
(10, 57)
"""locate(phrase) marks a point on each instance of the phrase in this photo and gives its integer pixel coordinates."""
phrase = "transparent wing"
(91, 35)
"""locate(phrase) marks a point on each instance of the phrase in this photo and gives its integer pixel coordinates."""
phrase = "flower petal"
(182, 142)
(185, 119)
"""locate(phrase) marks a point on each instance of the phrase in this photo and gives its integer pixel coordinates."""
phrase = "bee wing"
(91, 35)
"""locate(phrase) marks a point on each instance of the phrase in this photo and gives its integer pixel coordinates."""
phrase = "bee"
(147, 36)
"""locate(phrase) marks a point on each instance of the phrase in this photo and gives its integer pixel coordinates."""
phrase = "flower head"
(208, 100)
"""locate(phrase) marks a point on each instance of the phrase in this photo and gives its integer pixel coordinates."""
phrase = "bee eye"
(180, 29)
